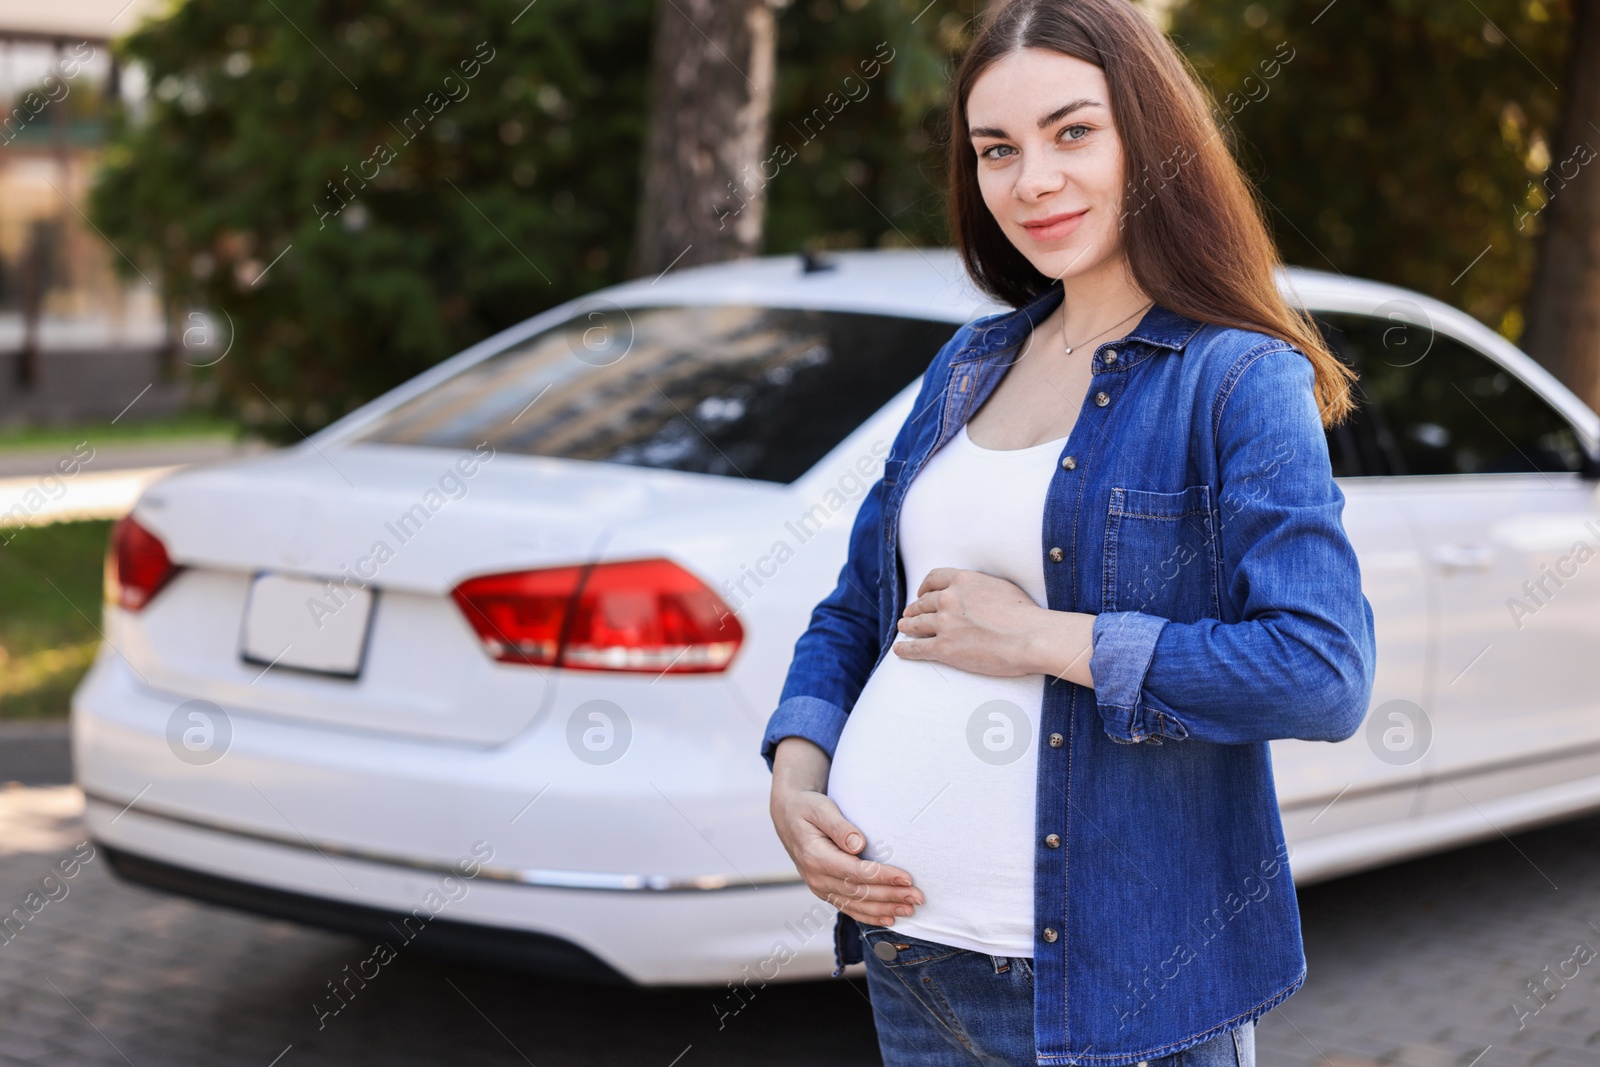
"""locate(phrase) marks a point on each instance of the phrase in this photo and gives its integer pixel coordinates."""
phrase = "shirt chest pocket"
(1161, 554)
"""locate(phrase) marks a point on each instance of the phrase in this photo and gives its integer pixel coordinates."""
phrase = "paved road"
(95, 455)
(35, 753)
(1415, 966)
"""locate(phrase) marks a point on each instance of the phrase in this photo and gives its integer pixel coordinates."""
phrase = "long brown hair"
(1193, 228)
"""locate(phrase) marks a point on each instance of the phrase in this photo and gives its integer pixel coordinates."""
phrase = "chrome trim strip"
(528, 876)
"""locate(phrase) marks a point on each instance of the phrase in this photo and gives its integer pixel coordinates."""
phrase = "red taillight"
(137, 565)
(519, 616)
(633, 615)
(649, 615)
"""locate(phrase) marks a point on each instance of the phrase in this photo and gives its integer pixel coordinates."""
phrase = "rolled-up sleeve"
(1300, 661)
(812, 718)
(1124, 644)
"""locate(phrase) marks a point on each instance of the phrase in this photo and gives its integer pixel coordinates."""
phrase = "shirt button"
(1056, 740)
(1052, 840)
(1056, 555)
(1102, 399)
(1111, 355)
(1050, 933)
(1069, 463)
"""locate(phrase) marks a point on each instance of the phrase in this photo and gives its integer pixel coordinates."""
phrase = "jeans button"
(885, 951)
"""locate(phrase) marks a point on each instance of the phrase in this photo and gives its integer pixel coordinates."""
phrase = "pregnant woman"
(1023, 744)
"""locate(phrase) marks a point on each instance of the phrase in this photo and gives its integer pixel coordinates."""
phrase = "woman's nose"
(1038, 177)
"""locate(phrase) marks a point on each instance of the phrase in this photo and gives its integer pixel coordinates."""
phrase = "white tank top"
(937, 765)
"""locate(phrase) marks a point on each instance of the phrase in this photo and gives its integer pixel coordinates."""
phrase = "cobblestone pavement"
(1418, 965)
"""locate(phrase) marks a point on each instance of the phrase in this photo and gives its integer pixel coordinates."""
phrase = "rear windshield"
(755, 392)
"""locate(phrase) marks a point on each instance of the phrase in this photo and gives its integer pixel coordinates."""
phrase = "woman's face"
(1050, 162)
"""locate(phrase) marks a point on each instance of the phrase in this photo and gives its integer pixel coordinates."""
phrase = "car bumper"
(358, 833)
(439, 936)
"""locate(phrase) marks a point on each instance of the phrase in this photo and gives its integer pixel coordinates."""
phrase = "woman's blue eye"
(989, 153)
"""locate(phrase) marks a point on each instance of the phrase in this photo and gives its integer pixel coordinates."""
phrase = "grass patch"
(177, 428)
(50, 591)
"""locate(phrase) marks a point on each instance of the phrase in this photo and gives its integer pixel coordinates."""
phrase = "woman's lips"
(1056, 226)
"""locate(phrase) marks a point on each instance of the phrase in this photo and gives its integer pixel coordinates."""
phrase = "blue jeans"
(939, 1006)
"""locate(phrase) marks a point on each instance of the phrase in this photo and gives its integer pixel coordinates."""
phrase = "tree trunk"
(1563, 304)
(704, 198)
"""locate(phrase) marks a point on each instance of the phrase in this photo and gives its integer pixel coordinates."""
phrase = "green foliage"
(267, 117)
(49, 614)
(1401, 138)
(428, 174)
(881, 134)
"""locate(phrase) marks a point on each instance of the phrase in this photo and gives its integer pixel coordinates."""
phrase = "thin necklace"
(1092, 336)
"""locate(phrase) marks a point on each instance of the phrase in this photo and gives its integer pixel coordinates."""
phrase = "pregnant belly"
(937, 767)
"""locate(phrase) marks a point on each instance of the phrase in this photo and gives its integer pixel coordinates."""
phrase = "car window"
(1429, 404)
(757, 392)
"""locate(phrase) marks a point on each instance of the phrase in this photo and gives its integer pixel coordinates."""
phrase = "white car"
(492, 656)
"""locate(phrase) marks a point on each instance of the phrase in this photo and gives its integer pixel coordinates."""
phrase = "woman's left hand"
(987, 625)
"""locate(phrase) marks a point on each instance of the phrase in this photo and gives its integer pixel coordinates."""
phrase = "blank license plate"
(306, 624)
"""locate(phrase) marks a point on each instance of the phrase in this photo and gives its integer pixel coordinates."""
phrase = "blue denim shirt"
(1194, 513)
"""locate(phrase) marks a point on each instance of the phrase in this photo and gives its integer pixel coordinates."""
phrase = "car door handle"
(1461, 557)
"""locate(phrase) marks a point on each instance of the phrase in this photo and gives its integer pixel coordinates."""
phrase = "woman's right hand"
(823, 844)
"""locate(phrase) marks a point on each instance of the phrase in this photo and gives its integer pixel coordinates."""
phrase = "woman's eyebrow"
(1059, 113)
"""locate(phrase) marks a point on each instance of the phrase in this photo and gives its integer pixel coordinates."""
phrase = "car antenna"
(811, 262)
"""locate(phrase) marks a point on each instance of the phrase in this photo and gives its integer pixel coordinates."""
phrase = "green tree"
(1401, 140)
(868, 151)
(710, 105)
(305, 170)
(1563, 330)
(358, 190)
